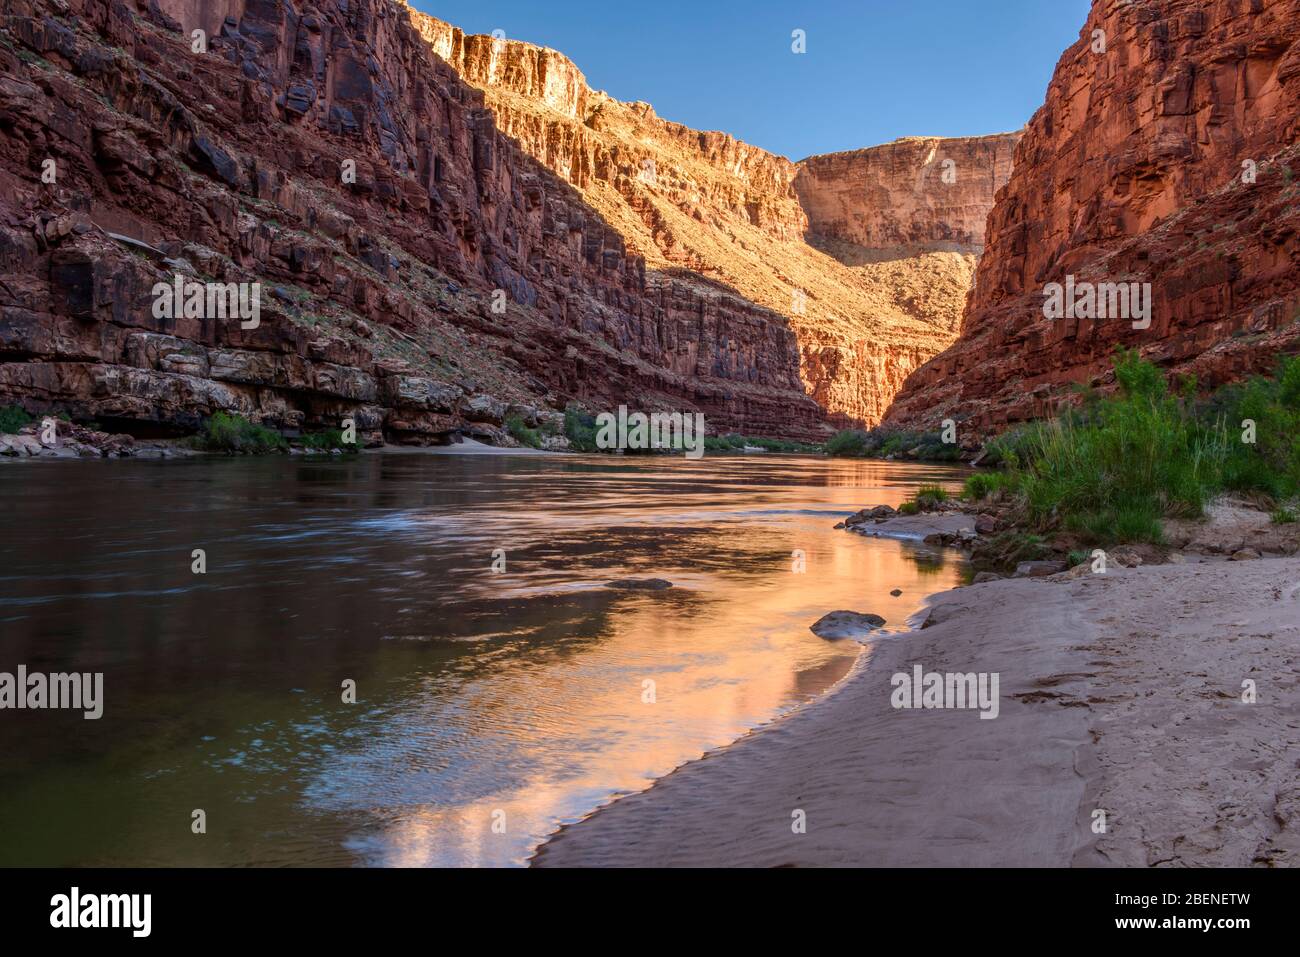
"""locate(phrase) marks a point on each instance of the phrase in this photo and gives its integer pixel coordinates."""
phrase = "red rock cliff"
(705, 206)
(1165, 153)
(916, 193)
(378, 295)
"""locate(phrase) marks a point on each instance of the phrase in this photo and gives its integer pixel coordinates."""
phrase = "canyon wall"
(419, 272)
(707, 208)
(916, 193)
(1165, 154)
(443, 227)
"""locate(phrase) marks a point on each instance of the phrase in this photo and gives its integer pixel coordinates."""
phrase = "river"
(492, 703)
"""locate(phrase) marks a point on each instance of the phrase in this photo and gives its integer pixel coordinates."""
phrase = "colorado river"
(501, 687)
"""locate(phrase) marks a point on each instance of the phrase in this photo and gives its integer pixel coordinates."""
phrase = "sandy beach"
(1119, 693)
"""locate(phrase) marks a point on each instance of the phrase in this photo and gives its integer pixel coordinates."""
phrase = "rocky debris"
(982, 577)
(1039, 569)
(76, 441)
(639, 584)
(838, 625)
(1125, 556)
(1138, 192)
(1246, 555)
(877, 513)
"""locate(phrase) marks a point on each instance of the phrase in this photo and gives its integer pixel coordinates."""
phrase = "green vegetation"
(13, 418)
(1284, 516)
(881, 443)
(327, 441)
(235, 435)
(580, 429)
(735, 442)
(982, 485)
(522, 434)
(909, 508)
(1112, 469)
(928, 496)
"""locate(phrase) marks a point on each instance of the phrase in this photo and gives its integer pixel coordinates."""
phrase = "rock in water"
(846, 624)
(640, 584)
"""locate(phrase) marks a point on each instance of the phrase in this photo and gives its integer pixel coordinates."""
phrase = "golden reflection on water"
(727, 648)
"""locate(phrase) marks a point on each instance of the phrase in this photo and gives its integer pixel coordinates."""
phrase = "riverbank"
(1119, 693)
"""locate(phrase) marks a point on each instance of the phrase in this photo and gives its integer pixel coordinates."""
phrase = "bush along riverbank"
(1150, 474)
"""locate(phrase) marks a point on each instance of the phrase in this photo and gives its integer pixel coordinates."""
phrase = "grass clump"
(13, 418)
(1284, 516)
(909, 508)
(984, 485)
(928, 496)
(235, 435)
(1113, 469)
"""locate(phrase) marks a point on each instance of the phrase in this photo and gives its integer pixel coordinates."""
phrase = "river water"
(491, 705)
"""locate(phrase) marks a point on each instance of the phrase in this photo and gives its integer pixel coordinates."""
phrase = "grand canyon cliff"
(442, 227)
(869, 254)
(1165, 154)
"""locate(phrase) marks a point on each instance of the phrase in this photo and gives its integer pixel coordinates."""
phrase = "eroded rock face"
(419, 271)
(866, 311)
(917, 193)
(1139, 168)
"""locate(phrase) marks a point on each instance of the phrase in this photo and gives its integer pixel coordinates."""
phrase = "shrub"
(233, 434)
(850, 443)
(580, 428)
(1110, 471)
(13, 418)
(326, 441)
(521, 433)
(908, 508)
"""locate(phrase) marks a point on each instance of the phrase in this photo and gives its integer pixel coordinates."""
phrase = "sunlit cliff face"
(868, 254)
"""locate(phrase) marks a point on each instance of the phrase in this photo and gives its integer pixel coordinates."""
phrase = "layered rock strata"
(1165, 154)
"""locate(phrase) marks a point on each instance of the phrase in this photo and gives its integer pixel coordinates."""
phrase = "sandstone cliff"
(231, 165)
(867, 305)
(918, 193)
(1165, 153)
(443, 226)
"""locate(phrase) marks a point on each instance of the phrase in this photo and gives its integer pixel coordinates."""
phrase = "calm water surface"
(515, 698)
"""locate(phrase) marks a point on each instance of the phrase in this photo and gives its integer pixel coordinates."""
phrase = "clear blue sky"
(874, 70)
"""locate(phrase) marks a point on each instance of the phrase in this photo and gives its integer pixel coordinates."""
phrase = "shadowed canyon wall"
(378, 290)
(1165, 154)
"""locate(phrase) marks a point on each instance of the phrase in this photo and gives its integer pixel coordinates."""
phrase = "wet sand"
(1119, 693)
